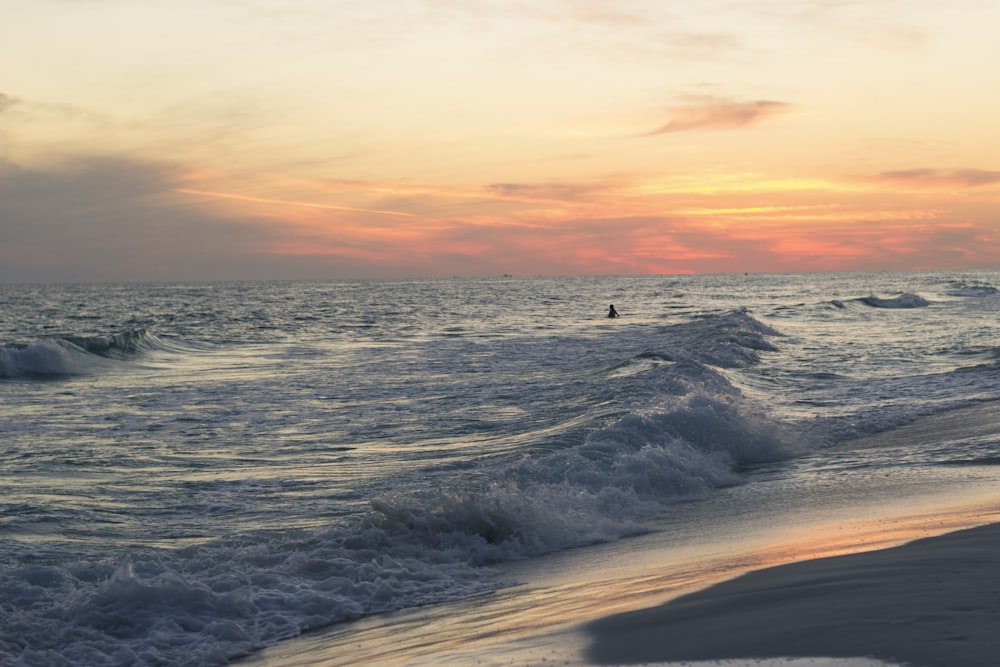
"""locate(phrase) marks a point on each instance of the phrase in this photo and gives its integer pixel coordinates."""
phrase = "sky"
(150, 140)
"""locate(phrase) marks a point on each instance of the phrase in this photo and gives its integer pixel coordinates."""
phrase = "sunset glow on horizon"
(434, 138)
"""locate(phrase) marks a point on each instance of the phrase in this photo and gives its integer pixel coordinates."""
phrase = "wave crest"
(607, 487)
(66, 356)
(905, 300)
(47, 358)
(975, 289)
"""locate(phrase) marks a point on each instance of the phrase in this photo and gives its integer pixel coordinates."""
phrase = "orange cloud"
(288, 202)
(617, 225)
(938, 178)
(713, 113)
(820, 252)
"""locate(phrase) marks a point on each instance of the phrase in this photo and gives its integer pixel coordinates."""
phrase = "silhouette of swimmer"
(612, 312)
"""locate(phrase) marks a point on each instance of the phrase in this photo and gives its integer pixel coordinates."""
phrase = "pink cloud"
(713, 113)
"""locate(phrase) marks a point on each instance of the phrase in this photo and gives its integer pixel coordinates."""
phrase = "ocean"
(194, 472)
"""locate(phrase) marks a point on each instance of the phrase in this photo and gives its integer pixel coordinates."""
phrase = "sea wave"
(905, 300)
(974, 289)
(45, 358)
(687, 430)
(603, 489)
(429, 536)
(218, 602)
(683, 430)
(69, 355)
(427, 542)
(116, 346)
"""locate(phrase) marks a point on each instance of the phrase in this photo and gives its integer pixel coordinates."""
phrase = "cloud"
(6, 101)
(98, 219)
(564, 192)
(713, 113)
(961, 178)
(115, 219)
(290, 202)
(35, 111)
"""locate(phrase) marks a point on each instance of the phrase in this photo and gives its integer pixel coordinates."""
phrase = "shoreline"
(569, 612)
(574, 607)
(933, 602)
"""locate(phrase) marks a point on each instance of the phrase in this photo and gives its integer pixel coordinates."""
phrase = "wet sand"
(934, 602)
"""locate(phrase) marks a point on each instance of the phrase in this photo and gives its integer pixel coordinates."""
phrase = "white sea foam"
(207, 605)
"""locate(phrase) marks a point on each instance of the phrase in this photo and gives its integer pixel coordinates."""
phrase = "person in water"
(612, 312)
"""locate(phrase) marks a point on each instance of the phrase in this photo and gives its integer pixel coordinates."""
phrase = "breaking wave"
(905, 300)
(66, 356)
(429, 536)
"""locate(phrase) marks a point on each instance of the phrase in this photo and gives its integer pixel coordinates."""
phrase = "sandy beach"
(933, 602)
(930, 602)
